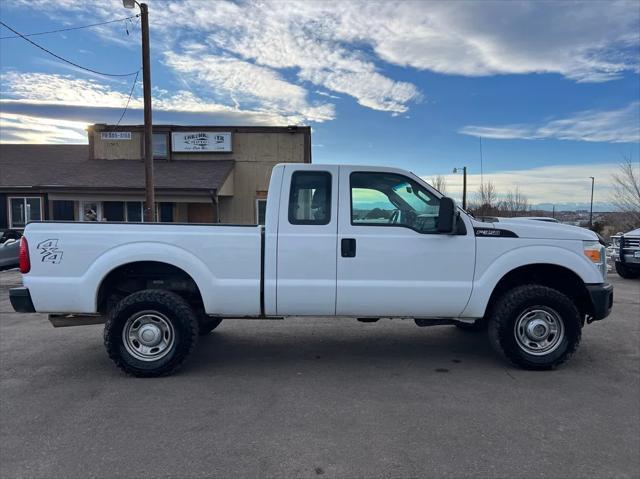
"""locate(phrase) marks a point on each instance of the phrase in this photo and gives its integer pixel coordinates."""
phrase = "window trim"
(384, 225)
(24, 202)
(258, 200)
(296, 222)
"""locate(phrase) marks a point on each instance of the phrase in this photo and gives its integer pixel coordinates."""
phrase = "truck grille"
(632, 243)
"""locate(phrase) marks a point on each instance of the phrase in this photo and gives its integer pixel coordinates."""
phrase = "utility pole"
(593, 180)
(464, 186)
(150, 203)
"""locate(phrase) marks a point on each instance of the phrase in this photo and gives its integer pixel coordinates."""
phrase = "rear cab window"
(310, 198)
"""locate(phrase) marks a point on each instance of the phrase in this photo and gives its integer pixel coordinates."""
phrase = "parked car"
(363, 242)
(625, 253)
(9, 249)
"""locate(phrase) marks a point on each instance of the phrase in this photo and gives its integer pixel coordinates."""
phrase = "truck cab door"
(306, 251)
(391, 260)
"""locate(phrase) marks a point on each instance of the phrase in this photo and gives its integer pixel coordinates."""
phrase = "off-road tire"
(477, 326)
(625, 272)
(208, 324)
(508, 309)
(175, 309)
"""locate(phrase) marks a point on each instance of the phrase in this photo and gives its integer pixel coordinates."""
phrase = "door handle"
(348, 247)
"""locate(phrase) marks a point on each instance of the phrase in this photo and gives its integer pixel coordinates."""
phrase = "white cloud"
(584, 41)
(545, 184)
(30, 129)
(614, 126)
(64, 90)
(226, 76)
(262, 55)
(61, 89)
(328, 95)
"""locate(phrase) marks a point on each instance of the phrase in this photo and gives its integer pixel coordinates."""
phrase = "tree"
(440, 183)
(626, 191)
(515, 203)
(487, 200)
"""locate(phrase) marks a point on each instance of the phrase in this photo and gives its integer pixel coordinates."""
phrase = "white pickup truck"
(348, 241)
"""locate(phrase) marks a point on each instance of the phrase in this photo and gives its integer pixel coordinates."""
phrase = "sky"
(535, 95)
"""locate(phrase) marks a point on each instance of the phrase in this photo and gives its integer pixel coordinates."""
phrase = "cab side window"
(389, 199)
(310, 198)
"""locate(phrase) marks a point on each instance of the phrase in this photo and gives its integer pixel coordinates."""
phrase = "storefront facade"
(202, 174)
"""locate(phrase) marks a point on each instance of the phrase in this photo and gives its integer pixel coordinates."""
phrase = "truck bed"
(223, 260)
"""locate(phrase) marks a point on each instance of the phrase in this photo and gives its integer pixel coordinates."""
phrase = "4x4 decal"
(49, 251)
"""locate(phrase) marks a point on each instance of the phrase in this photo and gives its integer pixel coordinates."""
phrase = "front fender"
(486, 278)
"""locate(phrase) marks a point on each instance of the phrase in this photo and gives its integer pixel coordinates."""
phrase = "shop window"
(160, 146)
(113, 210)
(134, 211)
(90, 211)
(164, 212)
(23, 210)
(63, 210)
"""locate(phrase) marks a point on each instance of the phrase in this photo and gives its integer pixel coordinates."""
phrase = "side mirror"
(447, 215)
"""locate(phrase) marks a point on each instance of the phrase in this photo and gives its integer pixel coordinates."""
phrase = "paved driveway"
(320, 398)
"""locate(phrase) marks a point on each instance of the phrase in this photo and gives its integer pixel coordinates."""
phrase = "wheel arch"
(138, 275)
(551, 275)
(152, 257)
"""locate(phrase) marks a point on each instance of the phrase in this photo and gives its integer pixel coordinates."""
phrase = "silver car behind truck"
(9, 254)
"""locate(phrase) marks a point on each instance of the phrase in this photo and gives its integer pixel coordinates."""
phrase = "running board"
(67, 320)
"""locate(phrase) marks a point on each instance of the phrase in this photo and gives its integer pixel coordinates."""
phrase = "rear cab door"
(306, 241)
(391, 259)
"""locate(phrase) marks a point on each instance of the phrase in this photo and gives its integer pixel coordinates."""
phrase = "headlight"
(597, 254)
(616, 242)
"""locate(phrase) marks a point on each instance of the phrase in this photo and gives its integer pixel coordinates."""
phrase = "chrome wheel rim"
(148, 335)
(539, 330)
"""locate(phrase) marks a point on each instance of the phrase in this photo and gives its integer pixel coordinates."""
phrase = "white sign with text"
(188, 141)
(115, 135)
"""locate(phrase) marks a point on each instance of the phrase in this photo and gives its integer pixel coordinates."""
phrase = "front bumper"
(601, 298)
(21, 300)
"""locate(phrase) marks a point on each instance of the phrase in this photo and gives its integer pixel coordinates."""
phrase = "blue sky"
(553, 88)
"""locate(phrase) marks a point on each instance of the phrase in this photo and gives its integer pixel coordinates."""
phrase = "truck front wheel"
(151, 333)
(535, 327)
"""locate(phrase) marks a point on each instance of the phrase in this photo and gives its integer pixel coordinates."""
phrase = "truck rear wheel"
(535, 327)
(626, 272)
(151, 333)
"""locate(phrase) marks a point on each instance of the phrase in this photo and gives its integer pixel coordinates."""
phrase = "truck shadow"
(436, 347)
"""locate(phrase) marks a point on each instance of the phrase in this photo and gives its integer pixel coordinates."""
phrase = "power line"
(64, 59)
(135, 80)
(70, 28)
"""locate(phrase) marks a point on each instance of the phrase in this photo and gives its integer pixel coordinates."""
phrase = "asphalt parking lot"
(320, 398)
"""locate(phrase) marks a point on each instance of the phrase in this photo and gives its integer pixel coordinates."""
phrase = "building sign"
(115, 135)
(186, 141)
